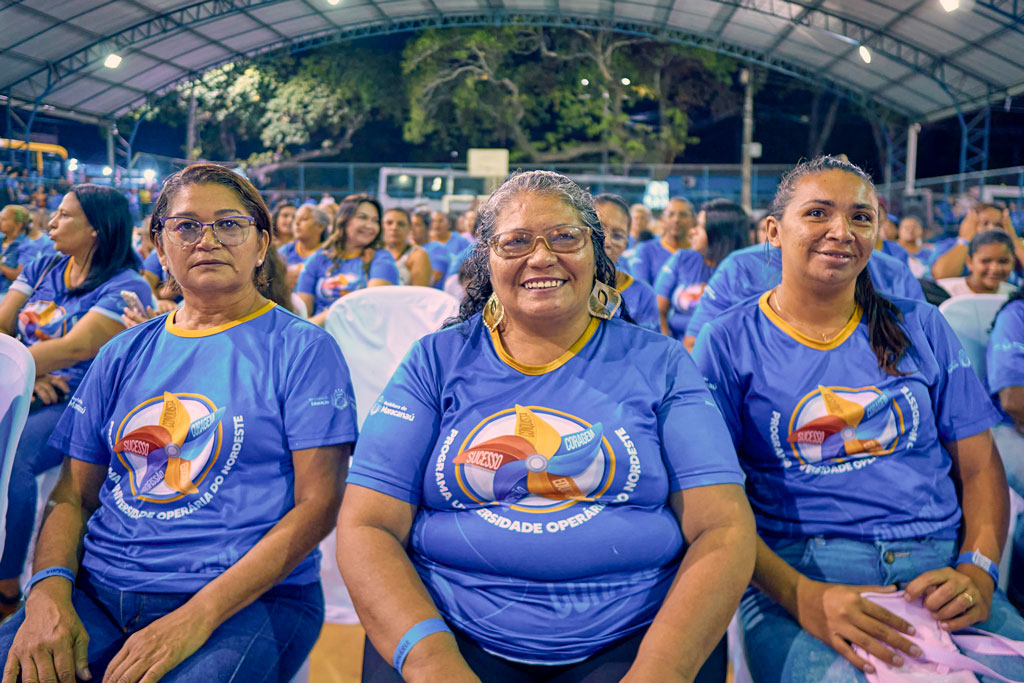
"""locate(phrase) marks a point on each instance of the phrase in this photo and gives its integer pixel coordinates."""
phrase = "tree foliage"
(546, 94)
(560, 94)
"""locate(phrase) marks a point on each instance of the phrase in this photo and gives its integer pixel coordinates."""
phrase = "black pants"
(607, 666)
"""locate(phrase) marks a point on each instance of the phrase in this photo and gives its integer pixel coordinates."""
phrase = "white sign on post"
(487, 163)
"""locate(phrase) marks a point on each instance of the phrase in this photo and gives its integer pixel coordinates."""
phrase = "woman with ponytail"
(866, 442)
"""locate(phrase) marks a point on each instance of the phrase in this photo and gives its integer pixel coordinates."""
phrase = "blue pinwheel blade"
(510, 481)
(156, 466)
(203, 425)
(576, 452)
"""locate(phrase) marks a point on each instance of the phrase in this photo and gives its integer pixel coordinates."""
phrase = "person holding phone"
(63, 308)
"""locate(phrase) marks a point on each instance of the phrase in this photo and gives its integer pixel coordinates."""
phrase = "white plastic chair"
(375, 328)
(971, 318)
(18, 370)
(299, 306)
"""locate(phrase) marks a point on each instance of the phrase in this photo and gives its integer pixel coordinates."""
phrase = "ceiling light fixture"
(112, 61)
(950, 5)
(865, 54)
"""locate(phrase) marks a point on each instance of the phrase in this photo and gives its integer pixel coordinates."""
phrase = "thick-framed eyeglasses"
(229, 230)
(561, 239)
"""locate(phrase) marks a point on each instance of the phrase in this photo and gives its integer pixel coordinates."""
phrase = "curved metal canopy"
(926, 63)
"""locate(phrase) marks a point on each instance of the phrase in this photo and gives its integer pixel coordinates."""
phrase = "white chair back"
(18, 370)
(971, 318)
(299, 306)
(375, 328)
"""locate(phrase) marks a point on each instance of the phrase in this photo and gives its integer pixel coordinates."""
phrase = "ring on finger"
(970, 598)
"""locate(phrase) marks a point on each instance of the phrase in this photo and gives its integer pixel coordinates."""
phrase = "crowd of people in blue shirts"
(633, 428)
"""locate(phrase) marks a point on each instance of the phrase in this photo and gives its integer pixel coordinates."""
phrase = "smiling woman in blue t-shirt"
(858, 420)
(352, 258)
(204, 449)
(528, 497)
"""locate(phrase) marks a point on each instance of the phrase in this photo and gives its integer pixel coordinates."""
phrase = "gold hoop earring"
(604, 300)
(493, 313)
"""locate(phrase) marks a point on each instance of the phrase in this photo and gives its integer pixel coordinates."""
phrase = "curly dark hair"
(477, 266)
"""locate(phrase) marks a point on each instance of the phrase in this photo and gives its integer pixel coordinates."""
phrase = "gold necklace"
(825, 338)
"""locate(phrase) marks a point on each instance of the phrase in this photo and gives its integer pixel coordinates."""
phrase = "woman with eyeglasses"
(528, 499)
(203, 455)
(63, 308)
(722, 227)
(637, 296)
(352, 258)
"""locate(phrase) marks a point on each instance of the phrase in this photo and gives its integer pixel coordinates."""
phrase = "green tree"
(229, 107)
(560, 94)
(314, 113)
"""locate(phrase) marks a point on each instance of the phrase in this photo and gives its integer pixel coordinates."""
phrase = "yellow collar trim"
(298, 250)
(547, 367)
(670, 249)
(624, 281)
(799, 336)
(67, 273)
(178, 332)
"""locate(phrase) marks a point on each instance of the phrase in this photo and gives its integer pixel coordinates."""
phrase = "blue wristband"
(47, 573)
(415, 635)
(979, 560)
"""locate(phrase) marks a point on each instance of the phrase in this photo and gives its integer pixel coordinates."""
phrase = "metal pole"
(111, 158)
(190, 134)
(746, 78)
(8, 133)
(28, 135)
(912, 131)
(130, 161)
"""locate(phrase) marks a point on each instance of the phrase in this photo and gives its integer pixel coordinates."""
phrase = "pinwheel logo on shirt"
(685, 297)
(837, 423)
(39, 314)
(167, 456)
(535, 460)
(334, 286)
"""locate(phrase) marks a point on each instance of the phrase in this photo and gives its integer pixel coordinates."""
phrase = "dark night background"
(781, 107)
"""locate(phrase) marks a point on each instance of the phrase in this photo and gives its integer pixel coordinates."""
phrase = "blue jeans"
(33, 457)
(778, 650)
(266, 641)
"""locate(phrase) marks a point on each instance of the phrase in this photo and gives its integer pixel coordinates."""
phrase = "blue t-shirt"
(290, 253)
(51, 311)
(753, 270)
(682, 280)
(832, 445)
(1005, 355)
(43, 245)
(455, 245)
(328, 279)
(896, 250)
(543, 491)
(152, 265)
(197, 429)
(440, 260)
(646, 259)
(640, 302)
(20, 252)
